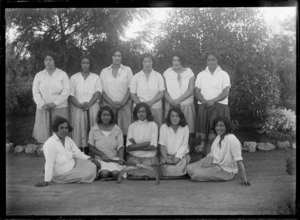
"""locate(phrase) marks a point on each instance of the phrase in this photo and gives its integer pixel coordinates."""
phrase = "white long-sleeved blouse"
(60, 158)
(48, 88)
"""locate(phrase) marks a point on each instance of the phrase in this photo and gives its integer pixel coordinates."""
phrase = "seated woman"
(106, 142)
(65, 163)
(142, 141)
(173, 144)
(225, 159)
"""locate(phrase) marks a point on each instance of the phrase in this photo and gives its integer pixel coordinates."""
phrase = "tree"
(68, 31)
(245, 46)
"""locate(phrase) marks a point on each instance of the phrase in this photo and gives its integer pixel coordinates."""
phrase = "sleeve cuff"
(86, 157)
(56, 102)
(119, 147)
(161, 143)
(238, 158)
(179, 156)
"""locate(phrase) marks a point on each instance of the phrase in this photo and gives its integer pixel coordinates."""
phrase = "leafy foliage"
(280, 121)
(245, 47)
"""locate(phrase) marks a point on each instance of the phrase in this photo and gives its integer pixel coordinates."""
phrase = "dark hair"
(180, 56)
(114, 50)
(89, 58)
(145, 55)
(215, 54)
(51, 54)
(182, 121)
(226, 122)
(148, 110)
(106, 108)
(58, 120)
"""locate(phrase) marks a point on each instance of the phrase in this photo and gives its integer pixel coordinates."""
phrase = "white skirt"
(80, 124)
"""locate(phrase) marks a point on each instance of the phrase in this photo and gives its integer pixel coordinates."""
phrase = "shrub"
(280, 123)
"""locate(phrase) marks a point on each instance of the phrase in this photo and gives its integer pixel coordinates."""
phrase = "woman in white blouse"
(115, 81)
(65, 163)
(50, 89)
(173, 144)
(142, 140)
(225, 159)
(180, 84)
(212, 90)
(84, 95)
(148, 86)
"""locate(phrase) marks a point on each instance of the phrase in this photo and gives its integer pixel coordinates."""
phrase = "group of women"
(104, 112)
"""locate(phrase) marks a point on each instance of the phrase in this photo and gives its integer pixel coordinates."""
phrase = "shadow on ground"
(272, 193)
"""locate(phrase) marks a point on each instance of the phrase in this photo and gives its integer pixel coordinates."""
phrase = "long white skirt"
(80, 124)
(41, 129)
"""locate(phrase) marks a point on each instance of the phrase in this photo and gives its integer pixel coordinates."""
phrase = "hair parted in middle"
(109, 109)
(182, 121)
(148, 111)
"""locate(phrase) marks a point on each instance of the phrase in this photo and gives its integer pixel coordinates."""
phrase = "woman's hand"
(85, 106)
(167, 160)
(246, 182)
(210, 103)
(116, 105)
(42, 184)
(176, 102)
(207, 161)
(176, 160)
(121, 161)
(133, 141)
(105, 158)
(51, 105)
(149, 103)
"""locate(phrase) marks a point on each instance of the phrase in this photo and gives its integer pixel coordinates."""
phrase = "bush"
(280, 123)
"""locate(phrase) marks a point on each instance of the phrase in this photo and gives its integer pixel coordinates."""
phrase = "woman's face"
(142, 113)
(176, 62)
(85, 64)
(49, 62)
(117, 57)
(62, 130)
(147, 63)
(174, 118)
(212, 62)
(220, 128)
(105, 117)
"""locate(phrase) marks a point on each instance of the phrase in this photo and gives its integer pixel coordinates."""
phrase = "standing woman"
(50, 89)
(180, 84)
(115, 81)
(85, 93)
(106, 142)
(173, 144)
(212, 90)
(148, 86)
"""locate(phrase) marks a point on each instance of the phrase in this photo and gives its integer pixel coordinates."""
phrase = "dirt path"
(272, 192)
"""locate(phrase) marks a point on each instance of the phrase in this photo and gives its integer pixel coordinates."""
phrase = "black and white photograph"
(151, 111)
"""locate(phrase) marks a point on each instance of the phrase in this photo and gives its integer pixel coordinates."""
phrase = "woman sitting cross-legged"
(142, 141)
(173, 144)
(65, 163)
(225, 159)
(106, 142)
